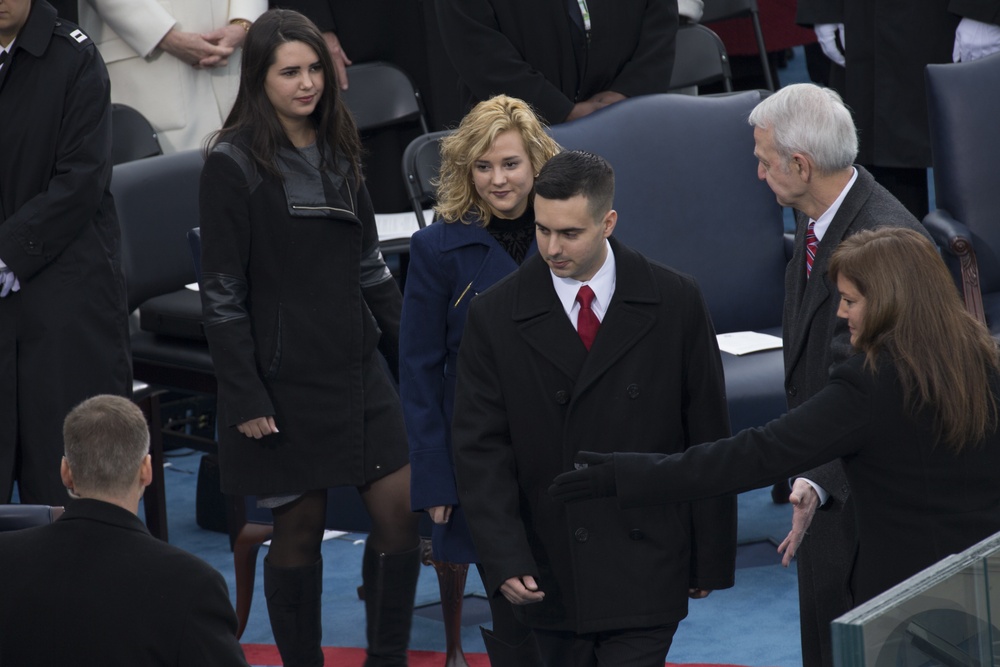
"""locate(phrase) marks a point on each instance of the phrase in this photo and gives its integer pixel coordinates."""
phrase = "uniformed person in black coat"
(63, 319)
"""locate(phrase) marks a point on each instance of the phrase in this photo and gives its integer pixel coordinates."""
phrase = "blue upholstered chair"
(18, 517)
(688, 196)
(963, 104)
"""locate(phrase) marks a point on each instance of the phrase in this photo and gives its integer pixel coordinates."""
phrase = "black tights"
(298, 525)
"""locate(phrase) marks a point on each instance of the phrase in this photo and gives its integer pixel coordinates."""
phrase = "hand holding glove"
(595, 478)
(827, 34)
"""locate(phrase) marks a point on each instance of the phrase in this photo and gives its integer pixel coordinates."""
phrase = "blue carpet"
(755, 623)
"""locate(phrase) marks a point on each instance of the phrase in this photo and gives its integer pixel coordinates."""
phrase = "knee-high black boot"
(294, 602)
(390, 582)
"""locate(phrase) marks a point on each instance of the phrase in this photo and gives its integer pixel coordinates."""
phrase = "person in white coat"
(176, 62)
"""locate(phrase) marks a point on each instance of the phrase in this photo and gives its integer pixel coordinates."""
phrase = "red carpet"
(266, 655)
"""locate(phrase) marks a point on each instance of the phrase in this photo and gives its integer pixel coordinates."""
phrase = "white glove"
(827, 34)
(974, 40)
(8, 282)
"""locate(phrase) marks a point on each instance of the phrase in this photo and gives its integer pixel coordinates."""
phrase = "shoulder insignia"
(79, 36)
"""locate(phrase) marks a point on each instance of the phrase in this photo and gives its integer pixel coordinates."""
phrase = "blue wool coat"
(449, 264)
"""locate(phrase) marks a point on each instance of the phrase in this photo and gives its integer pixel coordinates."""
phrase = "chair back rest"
(132, 136)
(17, 517)
(963, 105)
(382, 94)
(718, 10)
(157, 203)
(688, 196)
(421, 163)
(700, 59)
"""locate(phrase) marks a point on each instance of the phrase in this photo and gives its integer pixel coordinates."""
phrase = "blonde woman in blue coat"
(485, 229)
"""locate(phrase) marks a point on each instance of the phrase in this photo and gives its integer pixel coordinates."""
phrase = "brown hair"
(456, 195)
(945, 358)
(253, 113)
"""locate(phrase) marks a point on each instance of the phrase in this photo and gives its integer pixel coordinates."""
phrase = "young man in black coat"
(541, 377)
(63, 313)
(94, 586)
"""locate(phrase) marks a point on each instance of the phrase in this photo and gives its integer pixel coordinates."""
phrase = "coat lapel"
(542, 321)
(544, 325)
(496, 263)
(816, 291)
(631, 315)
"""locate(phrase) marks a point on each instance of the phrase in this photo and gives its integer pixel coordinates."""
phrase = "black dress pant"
(634, 647)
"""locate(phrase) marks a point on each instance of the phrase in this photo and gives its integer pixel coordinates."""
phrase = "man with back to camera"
(63, 320)
(541, 376)
(806, 144)
(95, 585)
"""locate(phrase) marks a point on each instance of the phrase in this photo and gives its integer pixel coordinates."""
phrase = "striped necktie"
(811, 244)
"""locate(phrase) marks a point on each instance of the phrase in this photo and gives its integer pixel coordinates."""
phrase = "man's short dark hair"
(573, 173)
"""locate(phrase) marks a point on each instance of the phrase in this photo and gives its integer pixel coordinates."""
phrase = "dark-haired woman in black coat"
(296, 299)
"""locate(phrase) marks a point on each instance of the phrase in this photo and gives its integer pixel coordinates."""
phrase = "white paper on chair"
(745, 342)
(399, 225)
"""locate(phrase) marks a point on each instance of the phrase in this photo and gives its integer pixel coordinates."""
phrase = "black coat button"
(636, 534)
(562, 397)
(581, 535)
(792, 390)
(633, 390)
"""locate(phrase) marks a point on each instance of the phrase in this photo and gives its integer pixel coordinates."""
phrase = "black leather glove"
(594, 479)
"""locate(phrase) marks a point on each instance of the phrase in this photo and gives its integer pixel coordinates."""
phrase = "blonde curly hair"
(456, 195)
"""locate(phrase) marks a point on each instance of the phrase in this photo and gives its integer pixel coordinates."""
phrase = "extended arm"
(830, 425)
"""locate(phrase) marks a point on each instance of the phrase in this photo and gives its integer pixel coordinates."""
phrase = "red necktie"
(586, 320)
(811, 244)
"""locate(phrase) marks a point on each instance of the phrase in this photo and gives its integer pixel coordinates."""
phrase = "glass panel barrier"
(940, 616)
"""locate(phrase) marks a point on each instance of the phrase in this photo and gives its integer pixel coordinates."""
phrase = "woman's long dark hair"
(945, 358)
(254, 117)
